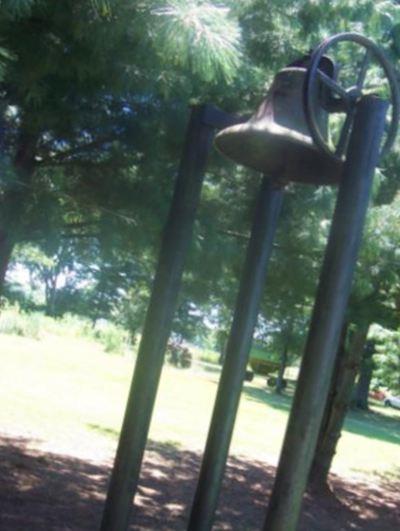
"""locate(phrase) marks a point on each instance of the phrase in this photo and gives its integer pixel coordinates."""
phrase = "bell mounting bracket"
(345, 99)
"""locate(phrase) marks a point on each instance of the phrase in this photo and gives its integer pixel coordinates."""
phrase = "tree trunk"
(282, 366)
(347, 364)
(364, 381)
(6, 248)
(50, 297)
(14, 200)
(284, 357)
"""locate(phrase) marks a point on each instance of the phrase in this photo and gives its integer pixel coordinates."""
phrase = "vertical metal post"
(158, 322)
(238, 348)
(328, 315)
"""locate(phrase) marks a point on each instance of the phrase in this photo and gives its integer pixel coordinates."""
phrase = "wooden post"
(237, 354)
(175, 242)
(328, 316)
(158, 322)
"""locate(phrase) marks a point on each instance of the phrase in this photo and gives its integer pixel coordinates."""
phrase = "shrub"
(208, 356)
(114, 338)
(15, 322)
(74, 325)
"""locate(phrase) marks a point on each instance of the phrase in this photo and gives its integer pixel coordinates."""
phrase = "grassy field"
(67, 392)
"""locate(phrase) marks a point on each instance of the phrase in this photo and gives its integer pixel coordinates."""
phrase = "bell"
(276, 140)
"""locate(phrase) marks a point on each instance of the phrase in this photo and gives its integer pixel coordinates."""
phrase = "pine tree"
(85, 93)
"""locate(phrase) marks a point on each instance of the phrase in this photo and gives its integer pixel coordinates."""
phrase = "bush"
(114, 338)
(71, 325)
(208, 356)
(15, 322)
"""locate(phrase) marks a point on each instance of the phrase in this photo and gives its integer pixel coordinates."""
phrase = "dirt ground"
(52, 491)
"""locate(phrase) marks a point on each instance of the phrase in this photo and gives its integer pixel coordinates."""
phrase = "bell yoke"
(288, 139)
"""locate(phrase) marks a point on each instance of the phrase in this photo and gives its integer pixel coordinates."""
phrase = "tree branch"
(63, 155)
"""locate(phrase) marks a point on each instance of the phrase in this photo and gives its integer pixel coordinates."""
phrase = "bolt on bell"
(276, 140)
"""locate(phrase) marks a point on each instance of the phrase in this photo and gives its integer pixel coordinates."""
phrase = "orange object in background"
(377, 394)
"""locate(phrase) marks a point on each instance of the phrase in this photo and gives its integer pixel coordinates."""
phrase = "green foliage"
(112, 337)
(200, 36)
(17, 8)
(377, 285)
(207, 355)
(15, 322)
(69, 325)
(387, 358)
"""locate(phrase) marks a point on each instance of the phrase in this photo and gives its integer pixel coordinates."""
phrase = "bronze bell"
(276, 139)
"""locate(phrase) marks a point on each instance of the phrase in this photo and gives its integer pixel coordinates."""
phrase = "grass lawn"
(67, 391)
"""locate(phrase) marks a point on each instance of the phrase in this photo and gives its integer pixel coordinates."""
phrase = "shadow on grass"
(103, 430)
(268, 398)
(49, 491)
(371, 424)
(207, 367)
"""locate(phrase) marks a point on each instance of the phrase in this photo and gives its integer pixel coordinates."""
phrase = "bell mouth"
(279, 152)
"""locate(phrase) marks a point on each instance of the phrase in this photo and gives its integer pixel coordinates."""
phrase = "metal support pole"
(328, 315)
(238, 348)
(158, 322)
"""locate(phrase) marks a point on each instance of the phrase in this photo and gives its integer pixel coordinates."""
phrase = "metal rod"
(328, 316)
(237, 353)
(175, 242)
